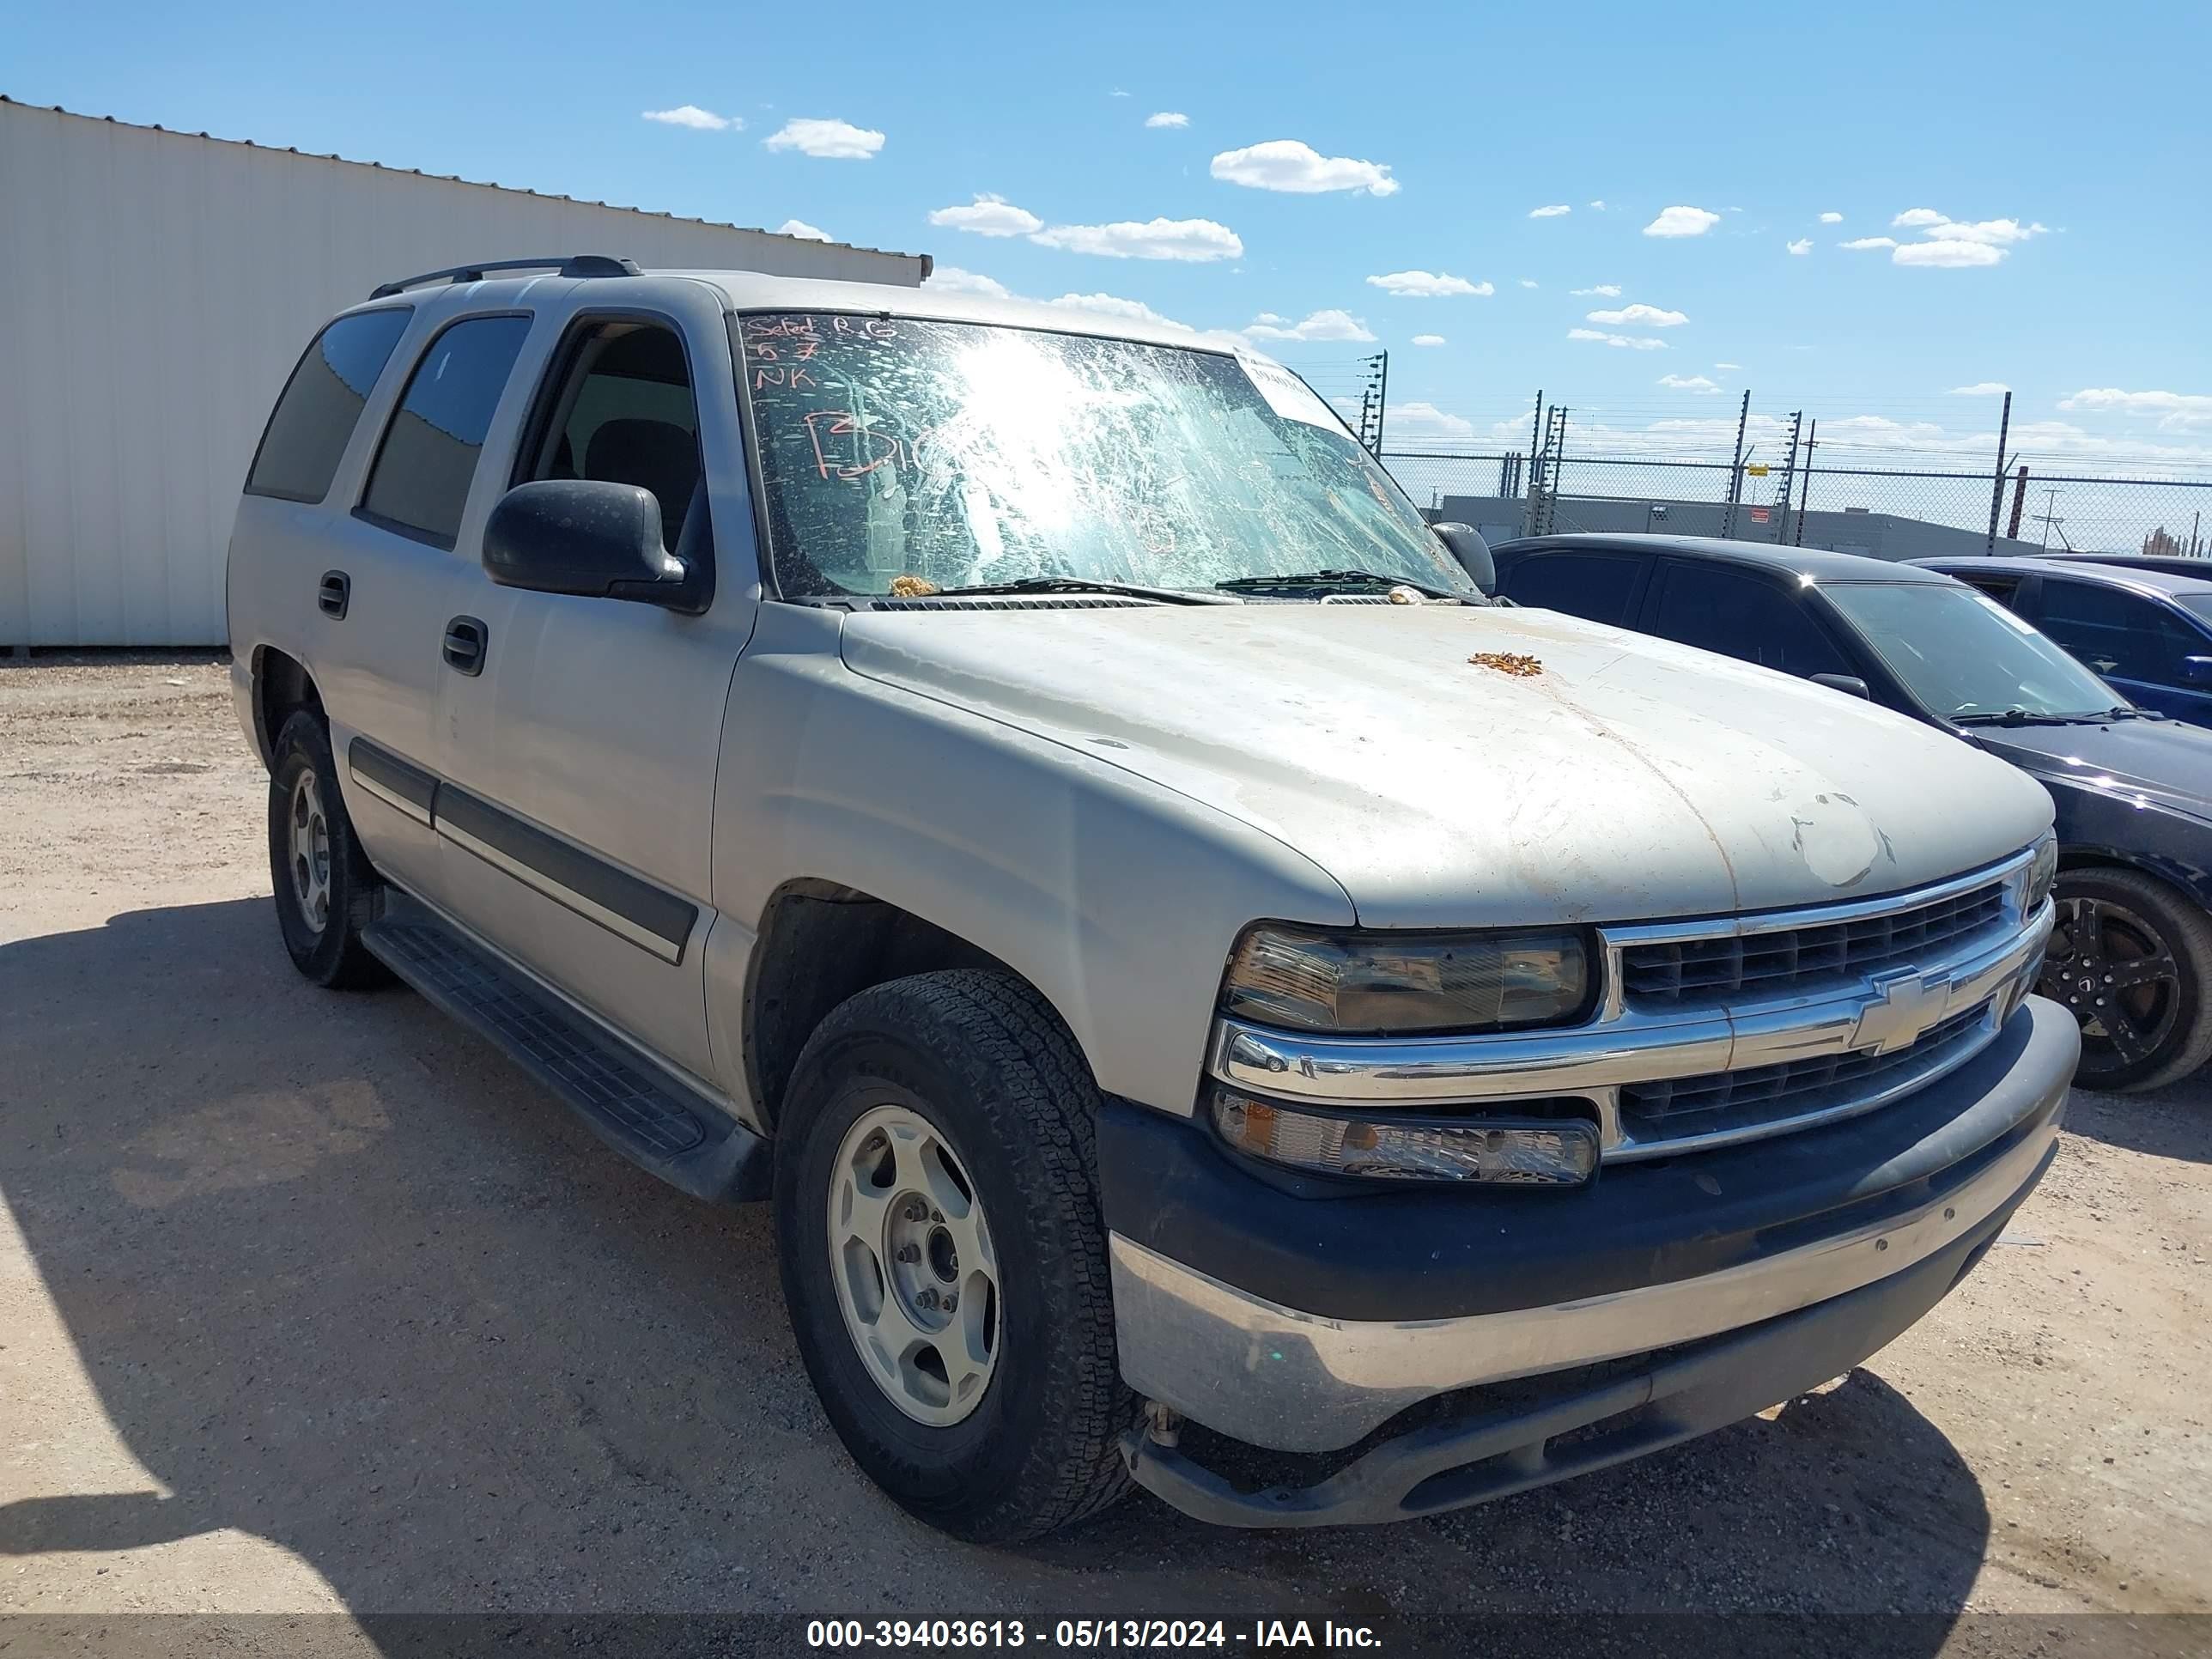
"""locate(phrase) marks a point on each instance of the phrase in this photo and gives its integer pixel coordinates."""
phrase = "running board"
(658, 1122)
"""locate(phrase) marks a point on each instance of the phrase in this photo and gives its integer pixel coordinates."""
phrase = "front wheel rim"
(310, 849)
(917, 1277)
(2113, 970)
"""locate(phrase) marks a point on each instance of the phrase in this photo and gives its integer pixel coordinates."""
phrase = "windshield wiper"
(1329, 579)
(2025, 717)
(1079, 585)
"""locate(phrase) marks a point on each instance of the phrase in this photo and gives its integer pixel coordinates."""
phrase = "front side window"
(964, 454)
(420, 481)
(1596, 586)
(2118, 635)
(314, 417)
(622, 409)
(1742, 617)
(1963, 656)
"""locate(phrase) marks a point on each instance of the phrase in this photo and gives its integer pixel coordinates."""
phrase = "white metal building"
(156, 288)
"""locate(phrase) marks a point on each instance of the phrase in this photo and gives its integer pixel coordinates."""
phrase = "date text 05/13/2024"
(1085, 1634)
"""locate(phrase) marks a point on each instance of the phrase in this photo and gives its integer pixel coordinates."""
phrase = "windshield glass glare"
(1962, 652)
(962, 453)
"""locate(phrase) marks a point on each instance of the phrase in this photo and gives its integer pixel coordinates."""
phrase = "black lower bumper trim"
(1684, 1393)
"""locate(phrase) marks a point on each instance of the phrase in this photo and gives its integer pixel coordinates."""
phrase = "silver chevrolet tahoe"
(1025, 793)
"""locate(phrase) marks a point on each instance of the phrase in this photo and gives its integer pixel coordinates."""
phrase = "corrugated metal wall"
(155, 289)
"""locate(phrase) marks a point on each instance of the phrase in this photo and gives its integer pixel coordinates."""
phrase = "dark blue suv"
(2146, 628)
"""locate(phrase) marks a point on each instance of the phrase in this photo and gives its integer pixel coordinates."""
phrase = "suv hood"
(1624, 778)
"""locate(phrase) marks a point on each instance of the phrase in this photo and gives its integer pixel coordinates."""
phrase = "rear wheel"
(944, 1258)
(2131, 959)
(326, 892)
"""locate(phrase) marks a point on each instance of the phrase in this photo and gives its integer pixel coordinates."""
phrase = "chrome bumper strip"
(1274, 1376)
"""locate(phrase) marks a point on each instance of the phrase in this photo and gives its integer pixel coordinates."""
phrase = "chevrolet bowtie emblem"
(1904, 1005)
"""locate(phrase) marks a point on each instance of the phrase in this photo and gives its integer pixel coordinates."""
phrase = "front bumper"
(1304, 1323)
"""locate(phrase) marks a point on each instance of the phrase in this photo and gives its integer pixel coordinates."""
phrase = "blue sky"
(2058, 223)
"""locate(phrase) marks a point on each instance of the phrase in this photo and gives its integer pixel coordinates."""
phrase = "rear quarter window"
(419, 483)
(321, 403)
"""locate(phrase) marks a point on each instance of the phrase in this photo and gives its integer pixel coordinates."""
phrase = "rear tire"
(2131, 959)
(975, 1072)
(326, 892)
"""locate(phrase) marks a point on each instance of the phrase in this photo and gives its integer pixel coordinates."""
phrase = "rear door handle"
(333, 594)
(465, 639)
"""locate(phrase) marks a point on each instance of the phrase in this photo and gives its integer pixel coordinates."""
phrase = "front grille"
(1792, 959)
(1718, 1101)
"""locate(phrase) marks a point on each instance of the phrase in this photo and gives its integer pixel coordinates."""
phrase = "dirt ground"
(311, 1305)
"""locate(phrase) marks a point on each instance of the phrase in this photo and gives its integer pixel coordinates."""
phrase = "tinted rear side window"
(420, 481)
(1596, 586)
(1741, 616)
(315, 416)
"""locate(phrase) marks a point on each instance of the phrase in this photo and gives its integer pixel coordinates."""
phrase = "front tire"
(2131, 959)
(326, 892)
(937, 1140)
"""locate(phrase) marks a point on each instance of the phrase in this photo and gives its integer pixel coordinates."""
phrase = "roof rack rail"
(572, 264)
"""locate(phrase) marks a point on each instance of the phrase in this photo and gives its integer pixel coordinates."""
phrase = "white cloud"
(1682, 221)
(1946, 254)
(1168, 118)
(1424, 419)
(2177, 410)
(1288, 165)
(1688, 383)
(953, 280)
(1869, 241)
(1728, 365)
(1113, 305)
(1528, 281)
(1428, 339)
(987, 215)
(1117, 92)
(1628, 341)
(1554, 211)
(1802, 245)
(1832, 218)
(1982, 389)
(1318, 325)
(829, 139)
(1605, 291)
(1600, 206)
(1427, 285)
(700, 120)
(805, 231)
(1649, 316)
(1193, 240)
(1997, 232)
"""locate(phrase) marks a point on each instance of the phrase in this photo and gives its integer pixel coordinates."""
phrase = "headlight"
(1516, 1150)
(1406, 983)
(2042, 874)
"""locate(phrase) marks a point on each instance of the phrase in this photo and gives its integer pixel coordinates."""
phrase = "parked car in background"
(1024, 793)
(2174, 564)
(2132, 952)
(2145, 630)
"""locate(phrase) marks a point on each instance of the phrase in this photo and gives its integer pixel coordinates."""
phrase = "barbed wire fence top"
(1649, 465)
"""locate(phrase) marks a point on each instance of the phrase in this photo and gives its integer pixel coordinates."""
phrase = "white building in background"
(156, 288)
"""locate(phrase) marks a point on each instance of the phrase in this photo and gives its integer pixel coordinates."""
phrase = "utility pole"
(1788, 479)
(1735, 467)
(1997, 489)
(1535, 436)
(1805, 486)
(2050, 503)
(2019, 500)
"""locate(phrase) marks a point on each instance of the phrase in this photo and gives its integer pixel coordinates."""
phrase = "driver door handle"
(466, 639)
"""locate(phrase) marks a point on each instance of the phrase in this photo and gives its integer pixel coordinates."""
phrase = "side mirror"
(1850, 685)
(1473, 553)
(590, 536)
(2197, 671)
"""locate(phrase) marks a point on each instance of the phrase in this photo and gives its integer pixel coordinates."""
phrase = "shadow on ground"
(342, 1278)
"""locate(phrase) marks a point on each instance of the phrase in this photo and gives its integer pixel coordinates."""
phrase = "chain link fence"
(1890, 512)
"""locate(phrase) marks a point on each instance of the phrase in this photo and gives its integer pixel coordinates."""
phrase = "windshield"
(1962, 653)
(961, 454)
